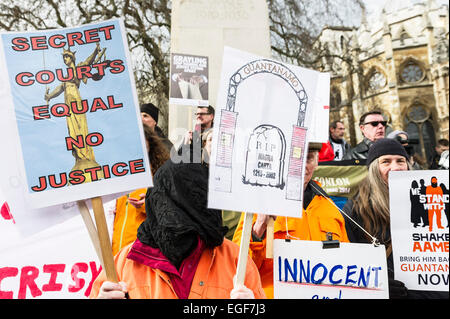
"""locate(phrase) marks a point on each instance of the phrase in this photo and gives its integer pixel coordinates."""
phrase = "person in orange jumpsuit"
(180, 250)
(435, 203)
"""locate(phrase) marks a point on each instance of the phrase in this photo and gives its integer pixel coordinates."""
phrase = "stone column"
(204, 27)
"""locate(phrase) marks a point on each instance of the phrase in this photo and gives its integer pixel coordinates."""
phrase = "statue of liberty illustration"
(77, 123)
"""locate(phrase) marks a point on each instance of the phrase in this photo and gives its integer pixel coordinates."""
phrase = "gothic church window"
(420, 128)
(412, 73)
(377, 81)
(335, 98)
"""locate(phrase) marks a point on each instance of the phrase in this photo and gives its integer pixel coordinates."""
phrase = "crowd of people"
(168, 244)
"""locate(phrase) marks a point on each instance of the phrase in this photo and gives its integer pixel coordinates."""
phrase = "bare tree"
(295, 26)
(148, 32)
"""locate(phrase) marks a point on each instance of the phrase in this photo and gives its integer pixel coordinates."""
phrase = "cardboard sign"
(305, 270)
(419, 203)
(70, 114)
(340, 180)
(189, 80)
(260, 137)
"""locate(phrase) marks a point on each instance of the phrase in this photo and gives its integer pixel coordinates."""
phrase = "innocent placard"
(305, 270)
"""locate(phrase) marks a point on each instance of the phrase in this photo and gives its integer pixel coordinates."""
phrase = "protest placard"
(73, 114)
(58, 262)
(28, 271)
(189, 79)
(340, 179)
(419, 203)
(260, 137)
(307, 270)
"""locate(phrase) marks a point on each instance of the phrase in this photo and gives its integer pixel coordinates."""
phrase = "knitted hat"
(394, 134)
(385, 146)
(151, 110)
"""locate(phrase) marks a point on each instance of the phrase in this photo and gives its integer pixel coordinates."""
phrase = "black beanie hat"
(151, 110)
(385, 146)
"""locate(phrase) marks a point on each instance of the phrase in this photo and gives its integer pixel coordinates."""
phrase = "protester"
(403, 137)
(127, 217)
(444, 160)
(442, 146)
(206, 146)
(372, 125)
(204, 123)
(369, 208)
(339, 145)
(326, 153)
(180, 250)
(320, 216)
(149, 115)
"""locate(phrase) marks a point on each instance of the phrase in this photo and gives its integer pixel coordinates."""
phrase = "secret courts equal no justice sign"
(76, 120)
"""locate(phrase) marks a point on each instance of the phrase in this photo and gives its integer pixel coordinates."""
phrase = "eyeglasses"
(201, 114)
(376, 123)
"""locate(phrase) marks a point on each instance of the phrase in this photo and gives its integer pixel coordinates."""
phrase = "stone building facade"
(397, 63)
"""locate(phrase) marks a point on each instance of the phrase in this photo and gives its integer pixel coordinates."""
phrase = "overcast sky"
(377, 5)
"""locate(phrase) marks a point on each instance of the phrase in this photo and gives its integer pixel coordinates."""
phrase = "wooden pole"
(105, 243)
(269, 238)
(243, 250)
(86, 215)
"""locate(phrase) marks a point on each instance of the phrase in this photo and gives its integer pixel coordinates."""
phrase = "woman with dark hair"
(130, 209)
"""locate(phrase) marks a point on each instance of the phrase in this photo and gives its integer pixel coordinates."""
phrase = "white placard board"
(188, 80)
(261, 131)
(305, 270)
(87, 132)
(420, 252)
(58, 262)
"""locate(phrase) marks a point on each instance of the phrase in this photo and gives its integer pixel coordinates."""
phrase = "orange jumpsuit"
(127, 220)
(437, 204)
(213, 278)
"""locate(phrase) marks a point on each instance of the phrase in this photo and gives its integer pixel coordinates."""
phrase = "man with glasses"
(372, 125)
(204, 123)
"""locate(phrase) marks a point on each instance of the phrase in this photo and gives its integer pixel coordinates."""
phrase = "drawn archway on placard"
(227, 126)
(236, 79)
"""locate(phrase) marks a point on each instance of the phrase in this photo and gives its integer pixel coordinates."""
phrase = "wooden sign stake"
(269, 238)
(243, 250)
(92, 230)
(103, 236)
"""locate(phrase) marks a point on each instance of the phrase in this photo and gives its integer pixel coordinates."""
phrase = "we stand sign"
(77, 120)
(419, 203)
